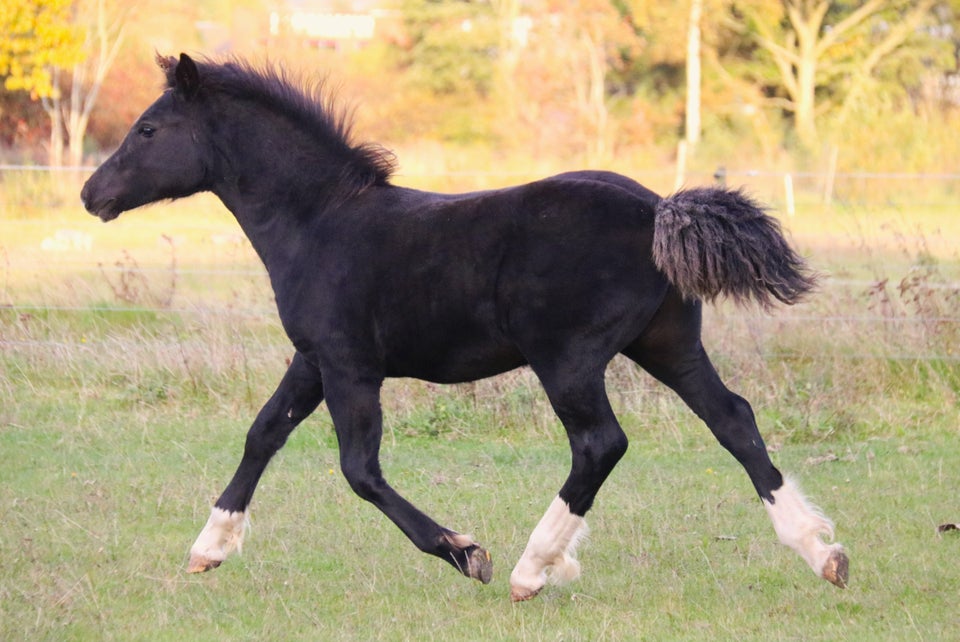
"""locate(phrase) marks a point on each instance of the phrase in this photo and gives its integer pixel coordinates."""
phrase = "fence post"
(681, 175)
(788, 191)
(831, 175)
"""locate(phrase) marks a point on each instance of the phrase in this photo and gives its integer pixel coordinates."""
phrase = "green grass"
(130, 371)
(100, 500)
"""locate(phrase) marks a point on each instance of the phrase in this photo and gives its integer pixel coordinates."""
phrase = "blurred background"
(794, 85)
(841, 115)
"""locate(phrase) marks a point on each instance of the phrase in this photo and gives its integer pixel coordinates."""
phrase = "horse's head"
(163, 156)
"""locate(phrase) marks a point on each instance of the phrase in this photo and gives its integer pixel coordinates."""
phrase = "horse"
(374, 280)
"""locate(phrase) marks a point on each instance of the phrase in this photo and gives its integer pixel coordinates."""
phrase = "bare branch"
(860, 14)
(896, 36)
(807, 24)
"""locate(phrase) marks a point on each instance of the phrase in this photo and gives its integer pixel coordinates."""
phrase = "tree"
(103, 36)
(692, 128)
(668, 76)
(573, 50)
(446, 62)
(452, 46)
(38, 36)
(54, 44)
(819, 44)
(512, 29)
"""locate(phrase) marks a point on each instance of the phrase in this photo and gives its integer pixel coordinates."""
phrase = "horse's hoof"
(479, 565)
(837, 569)
(200, 564)
(519, 594)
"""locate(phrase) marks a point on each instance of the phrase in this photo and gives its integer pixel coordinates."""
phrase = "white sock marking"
(222, 535)
(799, 524)
(551, 547)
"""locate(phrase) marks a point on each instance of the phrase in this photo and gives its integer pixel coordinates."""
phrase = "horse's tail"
(711, 241)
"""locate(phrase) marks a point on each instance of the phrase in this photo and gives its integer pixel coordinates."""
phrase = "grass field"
(133, 356)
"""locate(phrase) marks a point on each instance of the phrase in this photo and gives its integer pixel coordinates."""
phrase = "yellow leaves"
(37, 36)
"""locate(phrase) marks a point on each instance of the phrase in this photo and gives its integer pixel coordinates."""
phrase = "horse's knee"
(598, 451)
(366, 484)
(271, 429)
(616, 446)
(594, 455)
(264, 440)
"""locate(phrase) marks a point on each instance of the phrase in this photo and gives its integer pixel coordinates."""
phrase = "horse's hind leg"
(671, 351)
(299, 393)
(597, 443)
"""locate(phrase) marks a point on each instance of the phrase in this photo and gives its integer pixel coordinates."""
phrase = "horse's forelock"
(168, 65)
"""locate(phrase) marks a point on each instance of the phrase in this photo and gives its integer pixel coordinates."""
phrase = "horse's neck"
(278, 181)
(271, 201)
(272, 229)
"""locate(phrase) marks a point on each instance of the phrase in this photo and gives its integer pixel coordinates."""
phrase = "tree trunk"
(51, 105)
(807, 21)
(692, 124)
(83, 93)
(55, 152)
(804, 103)
(589, 81)
(598, 98)
(508, 14)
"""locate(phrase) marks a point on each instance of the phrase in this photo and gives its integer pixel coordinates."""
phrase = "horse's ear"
(187, 76)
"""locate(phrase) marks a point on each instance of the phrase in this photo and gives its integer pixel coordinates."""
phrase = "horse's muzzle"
(106, 209)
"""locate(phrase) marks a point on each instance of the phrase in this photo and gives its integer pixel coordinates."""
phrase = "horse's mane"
(307, 103)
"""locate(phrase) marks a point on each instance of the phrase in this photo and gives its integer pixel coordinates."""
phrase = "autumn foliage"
(775, 83)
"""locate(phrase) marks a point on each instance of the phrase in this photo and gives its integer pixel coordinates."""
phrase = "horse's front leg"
(299, 393)
(354, 404)
(596, 443)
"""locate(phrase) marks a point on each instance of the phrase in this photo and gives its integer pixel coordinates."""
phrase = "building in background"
(339, 26)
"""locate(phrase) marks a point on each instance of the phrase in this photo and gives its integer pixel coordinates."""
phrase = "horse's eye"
(146, 131)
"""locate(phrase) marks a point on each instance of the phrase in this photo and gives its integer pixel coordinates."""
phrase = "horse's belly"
(453, 363)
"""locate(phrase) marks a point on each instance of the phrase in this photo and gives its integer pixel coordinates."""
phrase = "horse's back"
(612, 179)
(578, 267)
